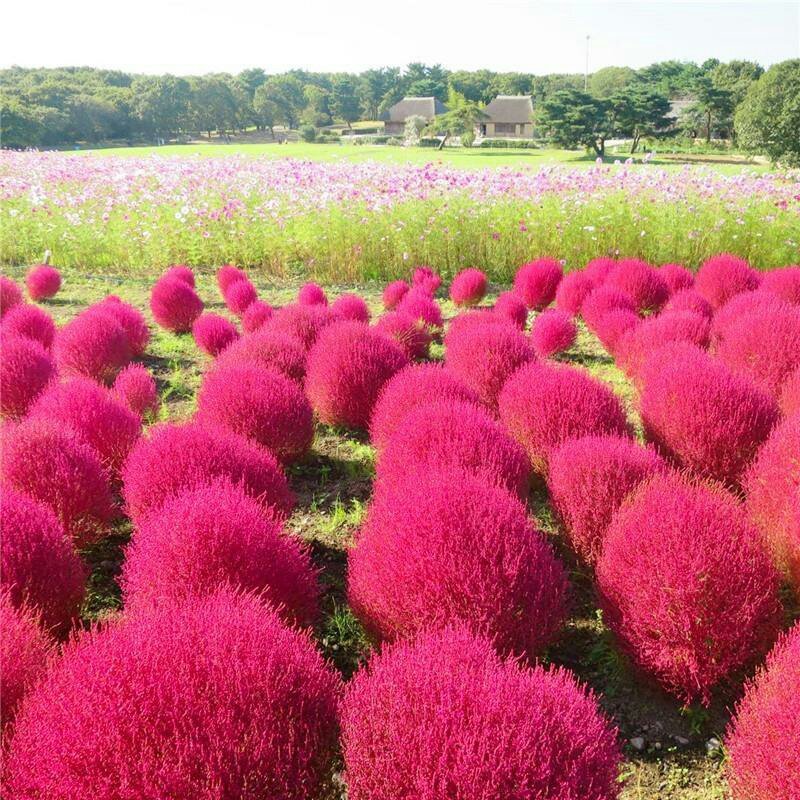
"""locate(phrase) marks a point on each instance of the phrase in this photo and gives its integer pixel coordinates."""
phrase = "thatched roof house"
(395, 118)
(509, 116)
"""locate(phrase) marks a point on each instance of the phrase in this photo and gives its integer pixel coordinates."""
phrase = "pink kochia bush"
(612, 327)
(601, 301)
(789, 400)
(452, 434)
(175, 305)
(537, 281)
(239, 296)
(642, 283)
(136, 387)
(312, 294)
(552, 333)
(468, 287)
(445, 547)
(772, 485)
(542, 405)
(574, 288)
(723, 276)
(214, 699)
(510, 307)
(39, 566)
(130, 318)
(182, 273)
(589, 479)
(10, 295)
(763, 742)
(52, 464)
(174, 457)
(30, 322)
(427, 280)
(393, 293)
(421, 306)
(350, 306)
(687, 587)
(412, 386)
(304, 323)
(267, 348)
(742, 305)
(213, 333)
(228, 274)
(214, 535)
(444, 716)
(92, 344)
(256, 315)
(702, 415)
(347, 368)
(105, 423)
(411, 334)
(783, 282)
(598, 270)
(677, 277)
(690, 300)
(261, 404)
(25, 370)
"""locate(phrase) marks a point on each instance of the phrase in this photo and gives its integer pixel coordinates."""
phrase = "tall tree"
(456, 122)
(637, 112)
(714, 103)
(374, 85)
(161, 103)
(267, 113)
(609, 80)
(572, 119)
(286, 92)
(344, 99)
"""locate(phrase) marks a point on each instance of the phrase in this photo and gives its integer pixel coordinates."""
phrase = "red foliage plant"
(601, 301)
(447, 547)
(93, 345)
(510, 307)
(642, 283)
(421, 306)
(542, 405)
(182, 273)
(598, 269)
(267, 348)
(29, 322)
(724, 275)
(468, 287)
(612, 327)
(214, 698)
(215, 535)
(677, 277)
(741, 305)
(42, 282)
(426, 280)
(261, 404)
(443, 716)
(174, 457)
(552, 333)
(131, 319)
(687, 587)
(412, 386)
(574, 288)
(10, 295)
(312, 294)
(763, 741)
(239, 296)
(701, 415)
(589, 479)
(175, 305)
(537, 281)
(452, 434)
(393, 293)
(789, 400)
(105, 423)
(347, 368)
(39, 566)
(256, 315)
(690, 300)
(52, 464)
(136, 387)
(213, 333)
(228, 274)
(25, 370)
(783, 282)
(304, 323)
(350, 306)
(411, 334)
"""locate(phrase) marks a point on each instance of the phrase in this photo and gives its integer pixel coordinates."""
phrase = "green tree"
(161, 103)
(609, 80)
(768, 120)
(286, 92)
(456, 122)
(714, 103)
(374, 85)
(474, 86)
(671, 78)
(317, 111)
(267, 113)
(213, 106)
(571, 118)
(638, 112)
(345, 103)
(736, 77)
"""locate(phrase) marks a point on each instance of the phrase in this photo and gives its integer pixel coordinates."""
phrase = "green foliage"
(515, 144)
(571, 118)
(638, 112)
(457, 121)
(609, 80)
(345, 103)
(308, 133)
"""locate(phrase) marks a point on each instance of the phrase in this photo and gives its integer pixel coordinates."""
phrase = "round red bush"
(763, 742)
(724, 275)
(452, 435)
(598, 269)
(350, 306)
(537, 281)
(25, 652)
(772, 486)
(30, 322)
(10, 295)
(690, 300)
(468, 287)
(443, 716)
(412, 335)
(484, 355)
(446, 547)
(789, 400)
(42, 282)
(175, 305)
(783, 282)
(764, 346)
(213, 333)
(182, 273)
(304, 323)
(312, 294)
(552, 333)
(740, 305)
(427, 280)
(216, 535)
(136, 387)
(601, 301)
(347, 368)
(573, 289)
(228, 274)
(510, 307)
(256, 315)
(267, 348)
(215, 698)
(174, 457)
(642, 283)
(261, 404)
(611, 328)
(701, 415)
(52, 464)
(25, 370)
(239, 296)
(686, 586)
(543, 405)
(412, 386)
(93, 345)
(677, 277)
(421, 307)
(131, 319)
(393, 293)
(589, 478)
(40, 568)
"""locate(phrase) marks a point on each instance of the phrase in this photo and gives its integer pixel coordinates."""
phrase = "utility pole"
(586, 73)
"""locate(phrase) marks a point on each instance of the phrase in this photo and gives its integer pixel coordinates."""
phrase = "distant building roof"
(510, 108)
(427, 107)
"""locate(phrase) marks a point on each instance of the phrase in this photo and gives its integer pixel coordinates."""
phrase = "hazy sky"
(198, 36)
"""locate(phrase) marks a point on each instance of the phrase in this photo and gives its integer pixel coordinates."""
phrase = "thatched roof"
(510, 108)
(427, 107)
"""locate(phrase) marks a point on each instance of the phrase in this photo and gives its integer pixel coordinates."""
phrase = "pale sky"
(200, 36)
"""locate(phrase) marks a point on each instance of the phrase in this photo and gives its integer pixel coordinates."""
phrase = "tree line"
(61, 107)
